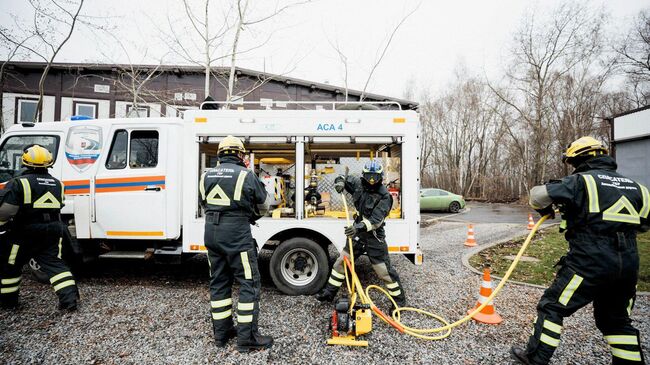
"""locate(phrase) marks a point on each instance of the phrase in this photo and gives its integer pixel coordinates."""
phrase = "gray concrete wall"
(633, 160)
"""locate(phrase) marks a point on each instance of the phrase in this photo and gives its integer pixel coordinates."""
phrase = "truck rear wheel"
(299, 266)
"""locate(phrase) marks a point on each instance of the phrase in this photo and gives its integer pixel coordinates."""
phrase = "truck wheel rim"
(303, 273)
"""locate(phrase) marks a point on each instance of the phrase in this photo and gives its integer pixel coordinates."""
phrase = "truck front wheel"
(299, 266)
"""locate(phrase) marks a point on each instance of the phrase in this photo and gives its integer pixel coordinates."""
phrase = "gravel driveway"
(142, 314)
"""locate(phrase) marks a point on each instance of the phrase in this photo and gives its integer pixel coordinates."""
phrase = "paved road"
(486, 213)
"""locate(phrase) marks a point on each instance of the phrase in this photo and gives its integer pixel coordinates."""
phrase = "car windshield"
(12, 151)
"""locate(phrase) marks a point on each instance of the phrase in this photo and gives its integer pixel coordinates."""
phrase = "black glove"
(547, 211)
(339, 184)
(350, 231)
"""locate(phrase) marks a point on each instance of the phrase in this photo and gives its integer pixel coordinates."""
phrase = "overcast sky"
(427, 48)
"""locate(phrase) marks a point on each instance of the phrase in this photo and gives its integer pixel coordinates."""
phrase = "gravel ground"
(135, 313)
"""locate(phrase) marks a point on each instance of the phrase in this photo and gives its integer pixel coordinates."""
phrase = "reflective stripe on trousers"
(221, 309)
(566, 295)
(632, 341)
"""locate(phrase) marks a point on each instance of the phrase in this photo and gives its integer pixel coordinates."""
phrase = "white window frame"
(145, 108)
(78, 103)
(20, 110)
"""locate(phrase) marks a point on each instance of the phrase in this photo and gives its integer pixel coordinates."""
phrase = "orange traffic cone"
(488, 314)
(471, 241)
(531, 222)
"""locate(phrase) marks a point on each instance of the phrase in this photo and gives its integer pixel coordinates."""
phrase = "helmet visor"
(372, 178)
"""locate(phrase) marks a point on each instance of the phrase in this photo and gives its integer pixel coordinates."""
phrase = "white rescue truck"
(131, 185)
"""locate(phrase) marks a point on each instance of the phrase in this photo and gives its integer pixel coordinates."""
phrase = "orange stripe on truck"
(398, 248)
(136, 233)
(130, 179)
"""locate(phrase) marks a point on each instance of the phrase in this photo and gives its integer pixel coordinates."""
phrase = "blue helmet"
(373, 173)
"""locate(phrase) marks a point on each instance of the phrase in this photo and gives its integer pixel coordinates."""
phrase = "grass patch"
(547, 246)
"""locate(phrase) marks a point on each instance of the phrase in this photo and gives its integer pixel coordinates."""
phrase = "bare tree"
(494, 141)
(344, 63)
(45, 34)
(197, 38)
(543, 54)
(60, 24)
(381, 53)
(134, 77)
(215, 35)
(460, 135)
(384, 50)
(14, 46)
(634, 58)
(243, 21)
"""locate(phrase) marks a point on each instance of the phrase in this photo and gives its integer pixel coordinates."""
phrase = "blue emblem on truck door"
(83, 146)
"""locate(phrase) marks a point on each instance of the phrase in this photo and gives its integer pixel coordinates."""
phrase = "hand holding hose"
(339, 184)
(549, 211)
(352, 230)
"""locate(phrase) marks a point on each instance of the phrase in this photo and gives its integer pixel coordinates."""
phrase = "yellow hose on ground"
(419, 333)
(353, 281)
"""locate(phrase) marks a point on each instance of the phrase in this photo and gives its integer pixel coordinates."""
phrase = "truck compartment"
(325, 158)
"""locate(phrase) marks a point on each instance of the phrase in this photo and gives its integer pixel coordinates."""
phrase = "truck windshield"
(12, 149)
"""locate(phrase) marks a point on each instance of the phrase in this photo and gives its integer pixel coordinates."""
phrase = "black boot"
(68, 299)
(68, 306)
(325, 295)
(255, 341)
(9, 303)
(519, 354)
(223, 341)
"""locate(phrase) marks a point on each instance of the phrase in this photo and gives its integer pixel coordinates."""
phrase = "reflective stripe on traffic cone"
(471, 241)
(488, 314)
(531, 222)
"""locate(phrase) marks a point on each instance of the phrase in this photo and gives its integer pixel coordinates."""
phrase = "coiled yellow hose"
(421, 332)
(356, 291)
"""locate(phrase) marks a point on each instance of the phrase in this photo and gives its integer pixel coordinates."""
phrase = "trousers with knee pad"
(43, 243)
(607, 278)
(372, 244)
(232, 255)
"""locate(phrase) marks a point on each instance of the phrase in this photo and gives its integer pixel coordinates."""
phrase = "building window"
(137, 111)
(25, 110)
(85, 108)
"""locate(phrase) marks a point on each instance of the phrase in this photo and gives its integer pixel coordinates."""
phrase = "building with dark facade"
(107, 91)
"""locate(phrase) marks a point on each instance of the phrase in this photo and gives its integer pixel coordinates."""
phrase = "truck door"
(128, 190)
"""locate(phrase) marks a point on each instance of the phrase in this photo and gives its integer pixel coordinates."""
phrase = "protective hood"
(597, 163)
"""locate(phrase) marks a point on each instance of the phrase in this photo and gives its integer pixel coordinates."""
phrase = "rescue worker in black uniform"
(30, 215)
(230, 194)
(601, 211)
(373, 202)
